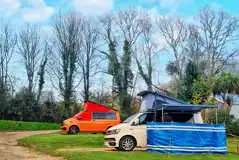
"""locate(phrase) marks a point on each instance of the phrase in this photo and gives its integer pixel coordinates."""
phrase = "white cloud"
(9, 6)
(93, 6)
(173, 3)
(37, 10)
(168, 3)
(153, 13)
(160, 41)
(216, 5)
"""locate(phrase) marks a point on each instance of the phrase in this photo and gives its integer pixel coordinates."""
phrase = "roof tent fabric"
(184, 107)
(157, 101)
(186, 138)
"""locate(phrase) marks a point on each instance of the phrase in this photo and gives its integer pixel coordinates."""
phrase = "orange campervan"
(95, 118)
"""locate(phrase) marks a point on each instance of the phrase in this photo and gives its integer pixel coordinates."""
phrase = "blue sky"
(41, 11)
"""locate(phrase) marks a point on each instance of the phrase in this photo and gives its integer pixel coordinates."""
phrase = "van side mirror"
(79, 118)
(135, 122)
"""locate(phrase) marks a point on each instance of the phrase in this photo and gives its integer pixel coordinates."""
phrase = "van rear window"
(100, 115)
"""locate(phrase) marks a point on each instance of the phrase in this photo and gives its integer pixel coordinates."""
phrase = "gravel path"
(9, 150)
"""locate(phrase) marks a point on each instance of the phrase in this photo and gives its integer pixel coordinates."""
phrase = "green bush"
(224, 117)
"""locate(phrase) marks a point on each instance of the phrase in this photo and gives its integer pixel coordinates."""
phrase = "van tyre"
(127, 143)
(73, 130)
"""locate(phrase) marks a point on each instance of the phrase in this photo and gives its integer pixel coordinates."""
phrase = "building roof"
(143, 93)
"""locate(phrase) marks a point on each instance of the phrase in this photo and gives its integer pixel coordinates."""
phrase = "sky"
(41, 11)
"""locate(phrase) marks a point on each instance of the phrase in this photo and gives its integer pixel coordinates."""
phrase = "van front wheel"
(127, 143)
(73, 130)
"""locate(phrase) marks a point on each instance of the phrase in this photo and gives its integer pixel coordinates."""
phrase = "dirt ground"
(9, 150)
(97, 150)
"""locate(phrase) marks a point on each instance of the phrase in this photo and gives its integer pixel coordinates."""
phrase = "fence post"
(238, 147)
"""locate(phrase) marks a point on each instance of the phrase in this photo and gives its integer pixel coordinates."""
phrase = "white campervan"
(155, 107)
(132, 132)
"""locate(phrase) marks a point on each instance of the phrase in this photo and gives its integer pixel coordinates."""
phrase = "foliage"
(5, 98)
(191, 74)
(50, 144)
(224, 117)
(225, 85)
(65, 49)
(125, 103)
(23, 106)
(26, 126)
(105, 98)
(171, 68)
(200, 91)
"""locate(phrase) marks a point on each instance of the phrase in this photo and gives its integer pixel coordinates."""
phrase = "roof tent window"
(158, 103)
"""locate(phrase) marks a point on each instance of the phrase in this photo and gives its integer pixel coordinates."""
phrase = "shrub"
(224, 117)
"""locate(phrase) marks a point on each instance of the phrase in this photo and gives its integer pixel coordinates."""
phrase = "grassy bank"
(52, 142)
(26, 126)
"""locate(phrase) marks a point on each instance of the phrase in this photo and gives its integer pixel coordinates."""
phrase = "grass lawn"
(51, 142)
(6, 125)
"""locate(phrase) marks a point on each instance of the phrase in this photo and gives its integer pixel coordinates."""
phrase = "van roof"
(143, 93)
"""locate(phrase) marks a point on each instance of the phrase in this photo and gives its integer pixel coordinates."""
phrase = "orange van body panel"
(85, 122)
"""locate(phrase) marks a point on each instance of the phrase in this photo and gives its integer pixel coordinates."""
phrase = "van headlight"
(114, 131)
(66, 122)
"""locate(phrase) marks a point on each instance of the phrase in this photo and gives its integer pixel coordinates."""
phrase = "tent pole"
(216, 116)
(162, 115)
(155, 111)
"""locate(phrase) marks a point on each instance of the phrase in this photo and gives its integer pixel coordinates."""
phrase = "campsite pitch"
(9, 150)
(90, 147)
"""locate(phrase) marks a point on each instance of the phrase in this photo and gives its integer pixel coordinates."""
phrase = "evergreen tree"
(126, 79)
(191, 74)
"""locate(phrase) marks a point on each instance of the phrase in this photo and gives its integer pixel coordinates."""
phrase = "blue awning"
(183, 107)
(186, 138)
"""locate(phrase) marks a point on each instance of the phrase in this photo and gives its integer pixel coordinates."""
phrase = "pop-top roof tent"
(158, 101)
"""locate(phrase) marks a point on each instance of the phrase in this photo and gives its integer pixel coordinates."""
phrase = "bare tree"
(193, 48)
(66, 46)
(129, 21)
(88, 59)
(34, 55)
(174, 31)
(42, 70)
(219, 33)
(29, 47)
(8, 41)
(109, 35)
(146, 49)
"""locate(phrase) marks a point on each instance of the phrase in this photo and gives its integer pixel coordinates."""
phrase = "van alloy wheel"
(74, 130)
(127, 143)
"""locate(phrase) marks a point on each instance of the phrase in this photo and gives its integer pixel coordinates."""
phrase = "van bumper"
(65, 129)
(112, 141)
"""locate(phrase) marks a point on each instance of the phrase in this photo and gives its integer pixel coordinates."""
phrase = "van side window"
(101, 115)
